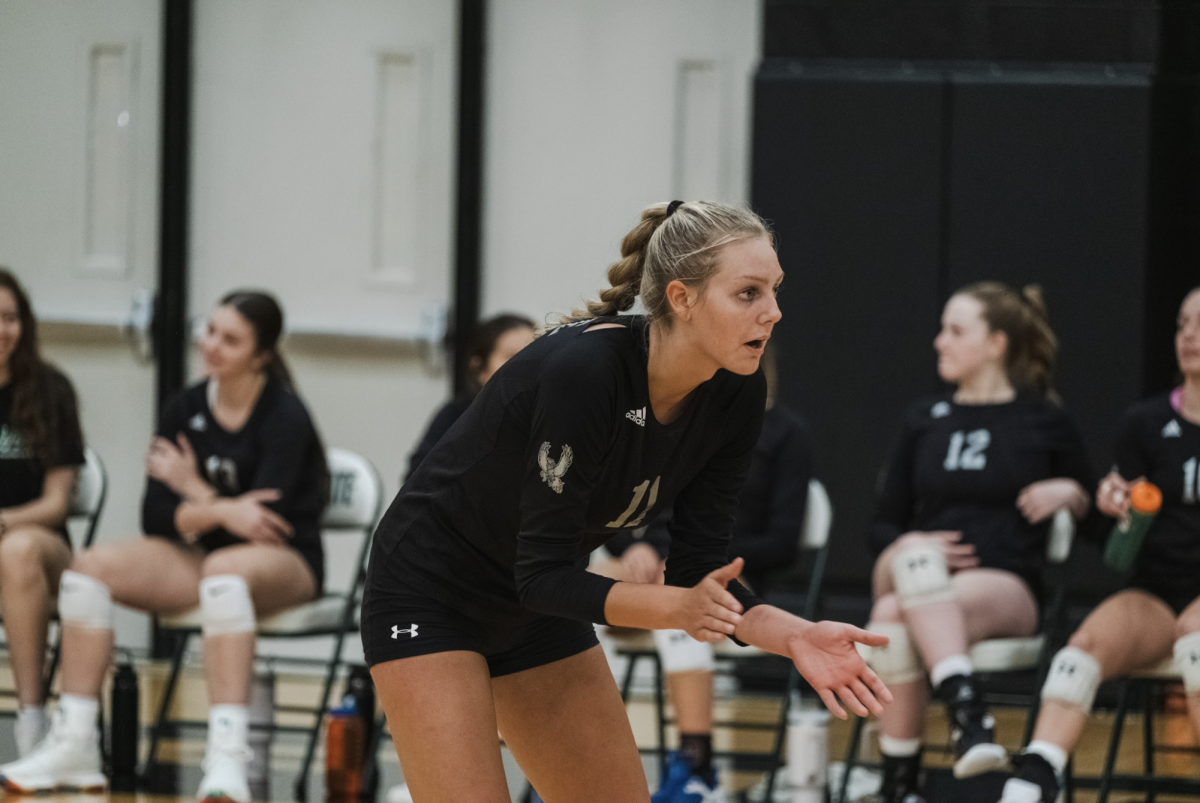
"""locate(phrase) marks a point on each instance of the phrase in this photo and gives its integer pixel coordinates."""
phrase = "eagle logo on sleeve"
(553, 470)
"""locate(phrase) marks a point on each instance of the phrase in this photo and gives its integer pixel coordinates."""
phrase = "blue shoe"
(681, 786)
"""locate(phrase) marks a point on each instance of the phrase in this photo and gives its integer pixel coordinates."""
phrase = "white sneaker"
(30, 727)
(399, 794)
(63, 760)
(225, 775)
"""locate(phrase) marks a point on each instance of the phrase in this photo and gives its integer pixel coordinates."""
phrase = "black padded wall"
(847, 167)
(891, 185)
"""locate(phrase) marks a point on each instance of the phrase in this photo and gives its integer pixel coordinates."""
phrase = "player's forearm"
(771, 629)
(199, 516)
(650, 607)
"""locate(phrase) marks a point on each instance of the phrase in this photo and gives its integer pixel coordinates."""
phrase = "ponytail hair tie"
(671, 207)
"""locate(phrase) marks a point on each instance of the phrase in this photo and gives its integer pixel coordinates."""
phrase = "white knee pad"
(84, 602)
(679, 652)
(225, 605)
(1187, 661)
(920, 575)
(1073, 679)
(898, 662)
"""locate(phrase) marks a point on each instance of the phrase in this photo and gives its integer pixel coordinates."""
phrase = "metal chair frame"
(814, 538)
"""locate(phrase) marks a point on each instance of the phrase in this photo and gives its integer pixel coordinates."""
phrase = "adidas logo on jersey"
(1172, 430)
(637, 416)
(940, 410)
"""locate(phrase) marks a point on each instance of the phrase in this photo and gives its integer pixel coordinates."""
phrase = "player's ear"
(681, 298)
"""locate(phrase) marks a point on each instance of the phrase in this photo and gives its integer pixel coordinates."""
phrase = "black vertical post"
(1173, 228)
(170, 320)
(468, 224)
(170, 310)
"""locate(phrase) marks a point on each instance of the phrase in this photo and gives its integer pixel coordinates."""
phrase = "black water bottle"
(360, 686)
(123, 733)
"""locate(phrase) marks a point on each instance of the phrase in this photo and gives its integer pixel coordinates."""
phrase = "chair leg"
(627, 681)
(163, 707)
(55, 657)
(781, 732)
(1069, 780)
(1114, 742)
(301, 789)
(851, 757)
(1150, 700)
(660, 704)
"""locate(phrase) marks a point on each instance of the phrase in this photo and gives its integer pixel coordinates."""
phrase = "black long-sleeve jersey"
(770, 511)
(559, 452)
(277, 448)
(439, 425)
(1157, 443)
(961, 467)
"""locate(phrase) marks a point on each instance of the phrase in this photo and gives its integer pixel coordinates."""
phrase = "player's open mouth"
(757, 344)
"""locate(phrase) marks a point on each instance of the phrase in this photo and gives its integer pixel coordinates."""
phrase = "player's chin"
(746, 359)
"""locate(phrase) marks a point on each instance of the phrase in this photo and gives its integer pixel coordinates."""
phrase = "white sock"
(1054, 755)
(228, 725)
(898, 748)
(79, 714)
(31, 711)
(949, 667)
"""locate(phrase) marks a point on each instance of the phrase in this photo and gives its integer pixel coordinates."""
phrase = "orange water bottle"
(344, 738)
(1125, 540)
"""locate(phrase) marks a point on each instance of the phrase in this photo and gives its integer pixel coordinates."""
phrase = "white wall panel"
(79, 127)
(595, 109)
(323, 155)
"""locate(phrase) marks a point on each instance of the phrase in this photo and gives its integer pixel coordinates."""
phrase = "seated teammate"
(41, 449)
(237, 483)
(1159, 610)
(962, 516)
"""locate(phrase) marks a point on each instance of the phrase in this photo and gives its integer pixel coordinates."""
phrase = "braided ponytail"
(625, 275)
(671, 242)
(1032, 347)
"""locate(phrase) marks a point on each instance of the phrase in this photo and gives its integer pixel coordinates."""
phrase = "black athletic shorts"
(1178, 591)
(403, 624)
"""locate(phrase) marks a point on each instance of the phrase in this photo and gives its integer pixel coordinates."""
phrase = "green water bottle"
(1145, 500)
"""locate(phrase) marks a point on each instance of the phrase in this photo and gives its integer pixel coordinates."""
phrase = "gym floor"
(181, 756)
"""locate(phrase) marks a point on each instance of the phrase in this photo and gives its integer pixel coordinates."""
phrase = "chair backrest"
(1062, 535)
(355, 492)
(818, 517)
(90, 487)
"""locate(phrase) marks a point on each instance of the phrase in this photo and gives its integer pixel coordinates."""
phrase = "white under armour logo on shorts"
(411, 631)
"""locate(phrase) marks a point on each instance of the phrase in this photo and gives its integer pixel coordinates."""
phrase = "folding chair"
(83, 514)
(355, 502)
(814, 538)
(1150, 682)
(1009, 655)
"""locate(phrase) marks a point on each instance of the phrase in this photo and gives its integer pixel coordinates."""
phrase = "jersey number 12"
(967, 450)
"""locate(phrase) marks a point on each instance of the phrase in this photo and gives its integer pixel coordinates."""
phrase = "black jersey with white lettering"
(962, 466)
(559, 452)
(22, 476)
(1157, 443)
(277, 448)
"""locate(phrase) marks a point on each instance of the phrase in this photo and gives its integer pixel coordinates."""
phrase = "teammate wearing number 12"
(962, 516)
(592, 429)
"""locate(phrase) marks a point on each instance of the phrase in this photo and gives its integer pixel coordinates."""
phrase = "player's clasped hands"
(824, 653)
(249, 517)
(710, 612)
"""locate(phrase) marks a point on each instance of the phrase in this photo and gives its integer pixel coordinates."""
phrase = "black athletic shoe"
(1034, 781)
(901, 780)
(972, 728)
